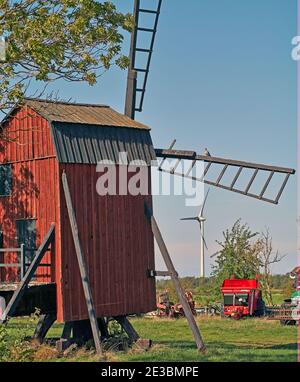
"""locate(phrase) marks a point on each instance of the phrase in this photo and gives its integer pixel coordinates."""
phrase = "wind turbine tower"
(201, 220)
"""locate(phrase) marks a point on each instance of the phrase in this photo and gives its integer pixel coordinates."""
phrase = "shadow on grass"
(292, 346)
(228, 352)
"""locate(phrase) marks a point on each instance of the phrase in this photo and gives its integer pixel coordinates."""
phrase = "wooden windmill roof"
(88, 114)
(87, 133)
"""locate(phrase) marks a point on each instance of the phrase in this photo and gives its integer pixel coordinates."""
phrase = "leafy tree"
(238, 256)
(47, 40)
(268, 257)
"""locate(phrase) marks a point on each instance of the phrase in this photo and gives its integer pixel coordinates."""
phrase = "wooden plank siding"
(29, 149)
(28, 137)
(32, 198)
(117, 244)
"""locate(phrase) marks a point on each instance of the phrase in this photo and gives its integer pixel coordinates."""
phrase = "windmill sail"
(232, 185)
(135, 93)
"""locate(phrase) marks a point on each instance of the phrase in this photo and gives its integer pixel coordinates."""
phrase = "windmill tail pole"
(174, 276)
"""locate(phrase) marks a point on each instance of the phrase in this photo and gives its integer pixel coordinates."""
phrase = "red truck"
(242, 298)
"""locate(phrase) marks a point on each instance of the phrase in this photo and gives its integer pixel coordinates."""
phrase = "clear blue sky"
(222, 77)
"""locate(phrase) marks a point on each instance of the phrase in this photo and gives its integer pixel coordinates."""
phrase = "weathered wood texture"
(129, 329)
(44, 324)
(118, 246)
(28, 147)
(85, 280)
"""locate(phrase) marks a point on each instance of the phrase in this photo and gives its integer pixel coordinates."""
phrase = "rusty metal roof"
(88, 114)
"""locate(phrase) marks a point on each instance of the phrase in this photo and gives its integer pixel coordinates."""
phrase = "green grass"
(278, 297)
(248, 340)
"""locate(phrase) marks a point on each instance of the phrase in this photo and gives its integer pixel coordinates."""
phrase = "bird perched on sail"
(207, 153)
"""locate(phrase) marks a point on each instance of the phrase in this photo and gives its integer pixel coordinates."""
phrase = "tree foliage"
(245, 254)
(238, 256)
(47, 40)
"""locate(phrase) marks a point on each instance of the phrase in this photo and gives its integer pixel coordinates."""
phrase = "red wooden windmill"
(81, 257)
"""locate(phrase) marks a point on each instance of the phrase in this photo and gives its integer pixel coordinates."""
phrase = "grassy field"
(250, 340)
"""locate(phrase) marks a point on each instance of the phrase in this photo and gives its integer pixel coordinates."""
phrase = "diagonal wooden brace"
(19, 292)
(174, 276)
(82, 267)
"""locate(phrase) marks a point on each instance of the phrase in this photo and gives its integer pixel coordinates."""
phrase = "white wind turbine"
(201, 219)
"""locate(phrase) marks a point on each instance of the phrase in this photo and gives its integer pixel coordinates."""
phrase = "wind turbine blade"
(205, 199)
(204, 241)
(194, 218)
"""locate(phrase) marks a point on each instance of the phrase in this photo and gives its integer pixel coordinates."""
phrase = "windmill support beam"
(153, 273)
(174, 276)
(130, 101)
(131, 93)
(44, 324)
(128, 328)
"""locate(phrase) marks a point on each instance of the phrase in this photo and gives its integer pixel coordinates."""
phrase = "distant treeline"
(207, 291)
(278, 282)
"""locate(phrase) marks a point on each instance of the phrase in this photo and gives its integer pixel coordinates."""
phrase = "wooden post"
(129, 329)
(82, 267)
(16, 297)
(43, 326)
(65, 340)
(22, 260)
(103, 327)
(82, 331)
(130, 101)
(174, 276)
(67, 330)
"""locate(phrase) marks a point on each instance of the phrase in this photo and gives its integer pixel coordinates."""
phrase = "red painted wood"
(118, 245)
(35, 188)
(32, 198)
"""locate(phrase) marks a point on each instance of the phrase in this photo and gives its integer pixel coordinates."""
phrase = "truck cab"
(242, 298)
